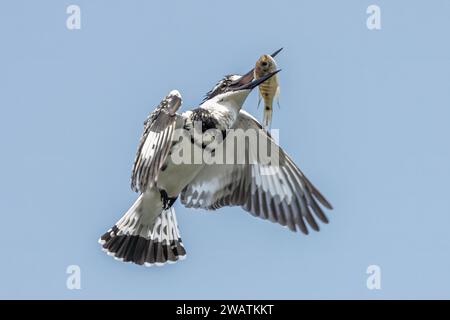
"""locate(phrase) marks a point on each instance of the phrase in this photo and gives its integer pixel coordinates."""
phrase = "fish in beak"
(249, 76)
(250, 85)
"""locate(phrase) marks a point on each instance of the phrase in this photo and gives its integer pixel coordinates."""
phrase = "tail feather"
(135, 240)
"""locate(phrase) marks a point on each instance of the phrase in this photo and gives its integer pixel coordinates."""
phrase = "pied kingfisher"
(148, 232)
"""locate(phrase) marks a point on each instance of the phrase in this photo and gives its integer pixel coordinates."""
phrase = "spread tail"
(135, 239)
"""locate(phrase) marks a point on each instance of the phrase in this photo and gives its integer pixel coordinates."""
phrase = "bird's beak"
(254, 83)
(245, 79)
(248, 77)
(276, 52)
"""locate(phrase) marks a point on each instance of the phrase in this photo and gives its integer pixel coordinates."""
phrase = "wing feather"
(279, 193)
(155, 142)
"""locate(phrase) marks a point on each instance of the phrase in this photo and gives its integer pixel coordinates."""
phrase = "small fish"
(269, 89)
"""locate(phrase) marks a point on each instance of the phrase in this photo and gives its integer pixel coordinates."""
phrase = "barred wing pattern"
(155, 142)
(280, 193)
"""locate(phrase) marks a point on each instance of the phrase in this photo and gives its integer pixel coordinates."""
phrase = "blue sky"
(363, 113)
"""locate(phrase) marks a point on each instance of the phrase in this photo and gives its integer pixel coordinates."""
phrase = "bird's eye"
(264, 64)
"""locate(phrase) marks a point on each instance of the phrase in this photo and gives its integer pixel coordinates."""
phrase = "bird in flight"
(148, 232)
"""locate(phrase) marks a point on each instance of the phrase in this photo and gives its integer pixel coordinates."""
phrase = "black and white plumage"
(155, 142)
(148, 232)
(280, 193)
(133, 240)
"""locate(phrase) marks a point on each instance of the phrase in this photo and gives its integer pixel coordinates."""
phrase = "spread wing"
(156, 142)
(276, 191)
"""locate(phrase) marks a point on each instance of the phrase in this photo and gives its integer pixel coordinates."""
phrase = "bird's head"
(237, 91)
(222, 86)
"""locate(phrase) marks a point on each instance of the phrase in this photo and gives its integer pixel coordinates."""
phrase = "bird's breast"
(181, 166)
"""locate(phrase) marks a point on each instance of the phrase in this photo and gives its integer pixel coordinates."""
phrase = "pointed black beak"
(248, 77)
(253, 84)
(276, 52)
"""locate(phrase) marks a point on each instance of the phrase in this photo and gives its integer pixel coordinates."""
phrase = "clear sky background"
(365, 114)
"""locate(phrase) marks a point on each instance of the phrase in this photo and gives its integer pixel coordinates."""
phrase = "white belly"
(178, 174)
